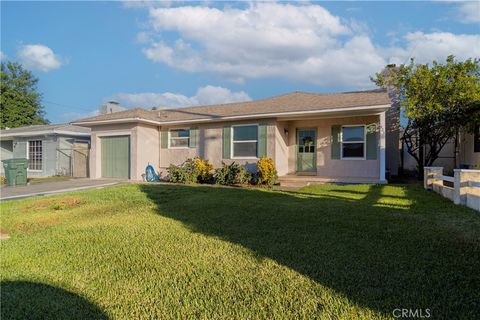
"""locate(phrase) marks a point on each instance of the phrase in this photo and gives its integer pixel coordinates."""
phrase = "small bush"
(231, 174)
(204, 170)
(191, 171)
(267, 173)
(185, 173)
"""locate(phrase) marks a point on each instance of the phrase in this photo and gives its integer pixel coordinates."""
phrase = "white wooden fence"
(465, 189)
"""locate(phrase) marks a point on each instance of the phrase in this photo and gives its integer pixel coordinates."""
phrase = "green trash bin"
(15, 171)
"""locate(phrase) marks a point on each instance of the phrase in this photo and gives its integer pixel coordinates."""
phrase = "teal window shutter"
(226, 142)
(192, 142)
(262, 140)
(371, 142)
(335, 147)
(164, 138)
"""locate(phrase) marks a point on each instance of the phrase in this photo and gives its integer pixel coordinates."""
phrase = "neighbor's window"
(245, 141)
(353, 142)
(476, 139)
(35, 155)
(179, 138)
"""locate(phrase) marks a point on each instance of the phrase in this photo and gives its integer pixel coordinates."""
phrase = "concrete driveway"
(36, 189)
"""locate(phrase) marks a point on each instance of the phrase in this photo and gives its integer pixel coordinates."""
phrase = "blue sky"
(181, 53)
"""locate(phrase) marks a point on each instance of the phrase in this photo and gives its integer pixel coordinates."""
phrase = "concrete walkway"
(36, 189)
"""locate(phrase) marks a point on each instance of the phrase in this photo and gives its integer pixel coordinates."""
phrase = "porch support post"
(382, 146)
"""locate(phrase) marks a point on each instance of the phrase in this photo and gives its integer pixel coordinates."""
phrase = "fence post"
(463, 179)
(460, 192)
(430, 176)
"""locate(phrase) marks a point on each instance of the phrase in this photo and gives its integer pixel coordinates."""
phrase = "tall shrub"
(204, 170)
(185, 173)
(231, 174)
(267, 173)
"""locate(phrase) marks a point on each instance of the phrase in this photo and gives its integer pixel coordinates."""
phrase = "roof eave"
(332, 111)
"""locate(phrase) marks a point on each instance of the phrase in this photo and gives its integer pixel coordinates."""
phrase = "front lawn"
(178, 252)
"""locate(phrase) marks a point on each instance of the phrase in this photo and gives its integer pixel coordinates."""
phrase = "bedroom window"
(179, 138)
(353, 142)
(245, 141)
(34, 155)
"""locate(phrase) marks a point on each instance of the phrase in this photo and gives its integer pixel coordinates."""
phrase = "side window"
(245, 141)
(353, 142)
(179, 138)
(35, 157)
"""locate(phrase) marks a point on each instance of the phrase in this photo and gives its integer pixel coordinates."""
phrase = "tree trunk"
(455, 149)
(421, 161)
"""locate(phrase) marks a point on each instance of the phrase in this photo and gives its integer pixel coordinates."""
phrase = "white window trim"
(231, 141)
(364, 142)
(169, 138)
(28, 157)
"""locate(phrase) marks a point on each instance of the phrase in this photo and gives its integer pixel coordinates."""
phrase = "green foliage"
(19, 100)
(185, 173)
(191, 171)
(439, 100)
(204, 170)
(231, 174)
(267, 173)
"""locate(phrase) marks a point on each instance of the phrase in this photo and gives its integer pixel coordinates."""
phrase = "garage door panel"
(116, 157)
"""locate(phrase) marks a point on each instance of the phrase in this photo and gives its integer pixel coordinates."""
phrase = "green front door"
(306, 150)
(116, 157)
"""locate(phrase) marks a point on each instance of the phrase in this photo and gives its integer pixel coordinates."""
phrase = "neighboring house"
(469, 151)
(468, 154)
(50, 149)
(339, 136)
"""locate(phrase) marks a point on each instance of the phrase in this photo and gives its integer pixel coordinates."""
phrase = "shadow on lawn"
(30, 300)
(381, 251)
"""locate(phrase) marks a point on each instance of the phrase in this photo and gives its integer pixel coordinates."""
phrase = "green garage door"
(116, 157)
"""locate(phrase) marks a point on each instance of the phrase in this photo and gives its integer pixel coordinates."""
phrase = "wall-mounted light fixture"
(285, 131)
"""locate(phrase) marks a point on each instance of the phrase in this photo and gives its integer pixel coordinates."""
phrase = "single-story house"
(339, 136)
(60, 149)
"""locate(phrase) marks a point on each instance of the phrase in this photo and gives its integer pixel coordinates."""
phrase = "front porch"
(346, 149)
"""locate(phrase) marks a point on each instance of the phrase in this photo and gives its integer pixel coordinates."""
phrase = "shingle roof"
(46, 129)
(292, 102)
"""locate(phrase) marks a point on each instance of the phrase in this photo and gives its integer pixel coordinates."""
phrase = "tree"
(19, 100)
(439, 101)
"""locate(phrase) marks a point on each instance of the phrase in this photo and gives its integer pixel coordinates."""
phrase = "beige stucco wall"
(467, 156)
(148, 149)
(210, 145)
(281, 146)
(327, 167)
(144, 146)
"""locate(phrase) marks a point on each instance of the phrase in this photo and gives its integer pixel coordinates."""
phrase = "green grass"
(179, 252)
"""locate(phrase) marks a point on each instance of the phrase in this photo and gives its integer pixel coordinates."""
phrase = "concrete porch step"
(302, 181)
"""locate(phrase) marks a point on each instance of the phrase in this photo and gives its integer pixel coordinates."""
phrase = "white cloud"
(39, 57)
(72, 116)
(304, 43)
(146, 3)
(204, 96)
(3, 56)
(469, 11)
(426, 47)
